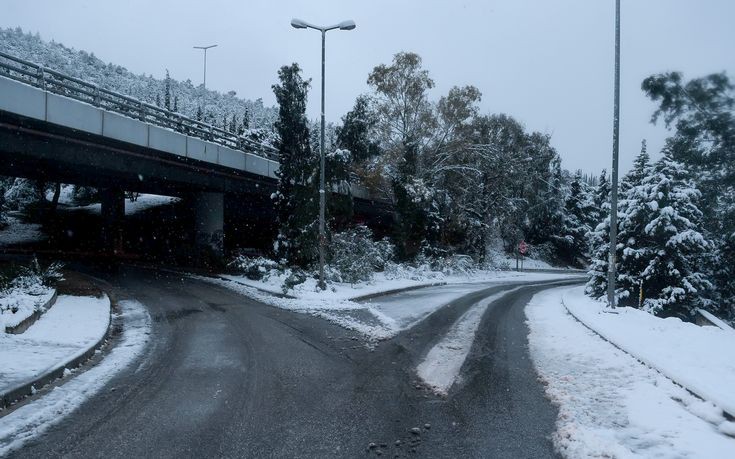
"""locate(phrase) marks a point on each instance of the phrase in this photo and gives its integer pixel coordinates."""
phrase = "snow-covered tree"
(578, 218)
(673, 278)
(296, 199)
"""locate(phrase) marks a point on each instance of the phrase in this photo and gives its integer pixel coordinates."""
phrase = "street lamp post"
(344, 25)
(611, 269)
(205, 48)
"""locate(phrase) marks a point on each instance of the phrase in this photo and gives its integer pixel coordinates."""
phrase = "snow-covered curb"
(23, 325)
(690, 373)
(36, 417)
(609, 404)
(28, 387)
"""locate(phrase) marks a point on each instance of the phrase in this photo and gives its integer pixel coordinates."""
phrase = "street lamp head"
(347, 25)
(298, 24)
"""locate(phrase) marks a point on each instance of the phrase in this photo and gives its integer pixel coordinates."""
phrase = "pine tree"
(200, 114)
(673, 278)
(599, 240)
(355, 133)
(233, 124)
(167, 92)
(633, 218)
(579, 216)
(176, 104)
(296, 198)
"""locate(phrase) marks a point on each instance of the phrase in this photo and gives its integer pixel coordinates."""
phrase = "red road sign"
(523, 247)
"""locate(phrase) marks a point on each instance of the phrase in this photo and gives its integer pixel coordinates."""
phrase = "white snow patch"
(609, 404)
(65, 331)
(693, 356)
(144, 202)
(17, 232)
(440, 368)
(37, 416)
(380, 318)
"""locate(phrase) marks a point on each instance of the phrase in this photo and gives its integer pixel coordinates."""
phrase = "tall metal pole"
(205, 69)
(344, 25)
(322, 197)
(205, 48)
(611, 268)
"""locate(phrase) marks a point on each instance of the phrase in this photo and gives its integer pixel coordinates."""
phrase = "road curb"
(729, 415)
(30, 320)
(27, 388)
(370, 296)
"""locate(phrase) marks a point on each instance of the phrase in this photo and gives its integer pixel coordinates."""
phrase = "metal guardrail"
(75, 88)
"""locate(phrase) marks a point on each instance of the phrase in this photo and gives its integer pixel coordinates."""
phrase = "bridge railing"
(75, 88)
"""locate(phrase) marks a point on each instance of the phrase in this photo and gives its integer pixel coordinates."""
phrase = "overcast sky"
(547, 63)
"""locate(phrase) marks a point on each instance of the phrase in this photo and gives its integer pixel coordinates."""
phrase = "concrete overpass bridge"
(58, 128)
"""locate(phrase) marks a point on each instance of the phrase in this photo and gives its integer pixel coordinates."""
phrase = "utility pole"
(611, 268)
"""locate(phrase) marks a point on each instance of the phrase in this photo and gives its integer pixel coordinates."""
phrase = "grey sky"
(547, 63)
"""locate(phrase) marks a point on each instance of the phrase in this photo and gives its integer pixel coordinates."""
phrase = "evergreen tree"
(246, 120)
(355, 133)
(634, 213)
(578, 217)
(599, 240)
(199, 114)
(167, 92)
(296, 199)
(176, 104)
(233, 124)
(673, 279)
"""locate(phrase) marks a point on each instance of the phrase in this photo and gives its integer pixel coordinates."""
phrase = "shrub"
(22, 194)
(354, 255)
(254, 268)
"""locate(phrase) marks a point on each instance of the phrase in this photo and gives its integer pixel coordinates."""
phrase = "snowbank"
(65, 331)
(36, 417)
(24, 303)
(609, 404)
(698, 358)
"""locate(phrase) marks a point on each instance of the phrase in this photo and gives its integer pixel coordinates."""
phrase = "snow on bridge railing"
(75, 88)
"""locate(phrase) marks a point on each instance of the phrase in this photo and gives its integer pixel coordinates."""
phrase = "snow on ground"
(610, 405)
(21, 425)
(68, 329)
(699, 358)
(380, 318)
(441, 366)
(25, 303)
(144, 202)
(18, 232)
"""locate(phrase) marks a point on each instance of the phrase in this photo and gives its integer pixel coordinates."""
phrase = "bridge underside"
(43, 151)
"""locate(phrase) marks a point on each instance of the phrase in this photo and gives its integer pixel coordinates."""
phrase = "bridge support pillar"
(209, 215)
(113, 214)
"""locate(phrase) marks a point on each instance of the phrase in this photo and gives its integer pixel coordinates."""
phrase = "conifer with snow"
(673, 278)
(296, 198)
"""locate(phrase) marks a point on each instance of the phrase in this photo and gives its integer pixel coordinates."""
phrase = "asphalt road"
(227, 376)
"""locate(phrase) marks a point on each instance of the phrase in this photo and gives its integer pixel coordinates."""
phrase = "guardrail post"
(42, 78)
(96, 100)
(142, 111)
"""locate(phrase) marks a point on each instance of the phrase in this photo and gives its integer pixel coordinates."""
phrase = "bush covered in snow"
(255, 268)
(22, 194)
(22, 286)
(354, 255)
